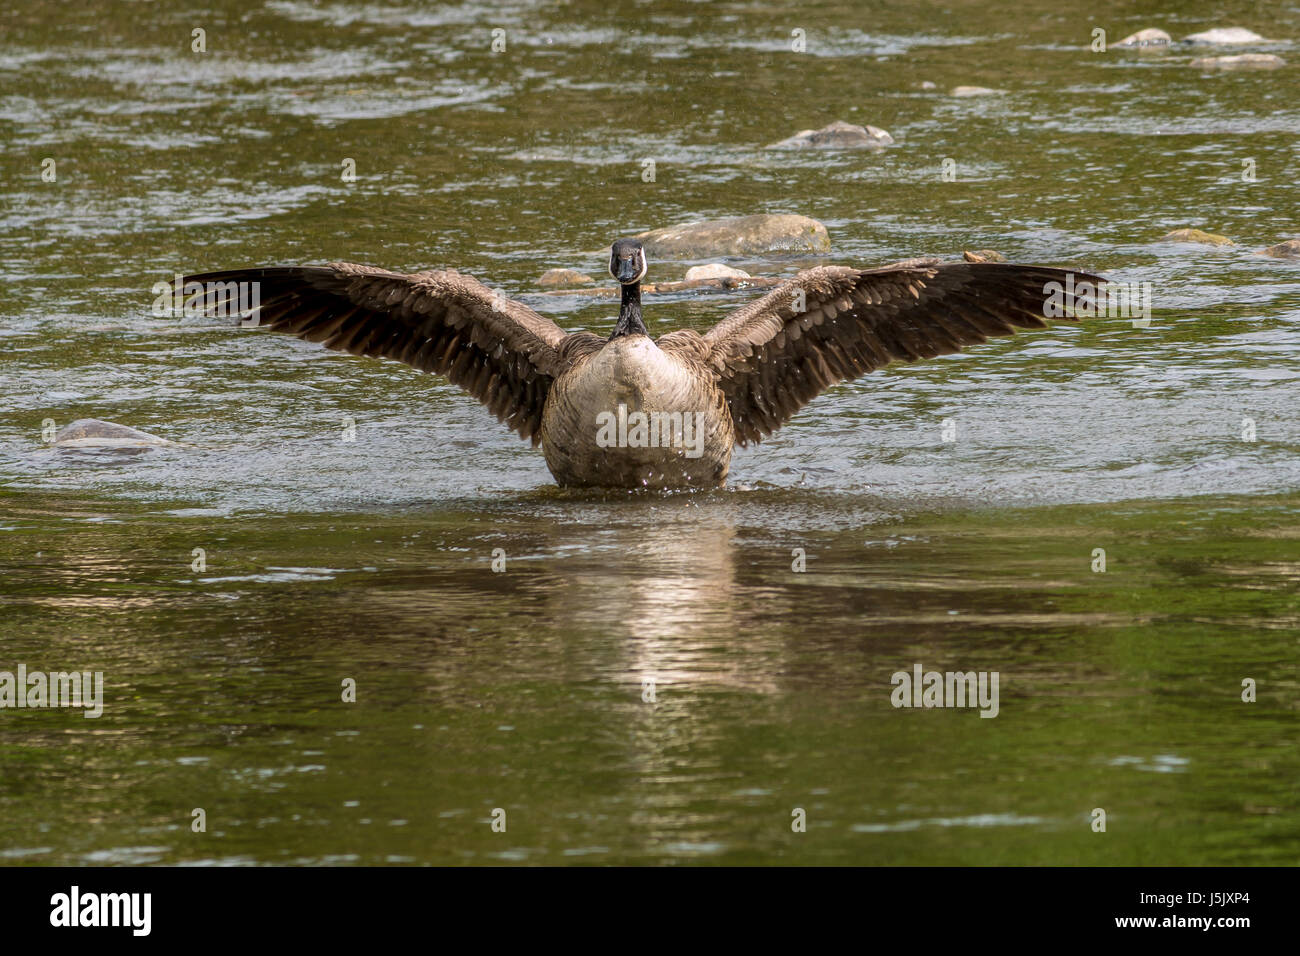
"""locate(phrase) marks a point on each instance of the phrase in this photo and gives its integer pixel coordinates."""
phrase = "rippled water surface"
(1174, 449)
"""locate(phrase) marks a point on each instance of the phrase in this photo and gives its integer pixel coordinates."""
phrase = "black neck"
(629, 314)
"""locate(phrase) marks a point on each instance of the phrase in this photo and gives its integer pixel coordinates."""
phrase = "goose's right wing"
(832, 324)
(499, 350)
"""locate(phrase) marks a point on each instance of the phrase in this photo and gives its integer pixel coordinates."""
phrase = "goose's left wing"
(832, 324)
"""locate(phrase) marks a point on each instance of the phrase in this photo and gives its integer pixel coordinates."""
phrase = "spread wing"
(773, 357)
(500, 351)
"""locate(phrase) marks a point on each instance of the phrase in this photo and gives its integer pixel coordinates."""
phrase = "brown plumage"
(579, 395)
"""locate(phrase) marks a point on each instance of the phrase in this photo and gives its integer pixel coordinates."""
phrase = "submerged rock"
(564, 277)
(1196, 235)
(1283, 250)
(728, 283)
(1148, 37)
(714, 270)
(1243, 61)
(838, 135)
(984, 255)
(722, 283)
(738, 236)
(92, 433)
(929, 85)
(916, 261)
(1224, 36)
(975, 91)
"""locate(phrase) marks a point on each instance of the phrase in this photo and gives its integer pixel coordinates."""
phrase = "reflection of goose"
(686, 566)
(629, 411)
(676, 574)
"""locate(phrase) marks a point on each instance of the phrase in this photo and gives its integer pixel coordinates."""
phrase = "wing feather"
(503, 353)
(832, 324)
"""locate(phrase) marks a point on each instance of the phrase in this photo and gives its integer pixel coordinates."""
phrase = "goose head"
(627, 261)
(627, 264)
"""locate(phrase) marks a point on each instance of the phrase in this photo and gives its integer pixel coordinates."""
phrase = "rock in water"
(1148, 37)
(738, 236)
(838, 135)
(1283, 250)
(564, 277)
(92, 433)
(984, 255)
(975, 91)
(1224, 36)
(1243, 61)
(714, 270)
(1196, 235)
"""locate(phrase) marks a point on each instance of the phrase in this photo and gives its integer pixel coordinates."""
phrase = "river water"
(649, 680)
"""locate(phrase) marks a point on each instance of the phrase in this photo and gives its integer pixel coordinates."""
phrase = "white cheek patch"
(645, 267)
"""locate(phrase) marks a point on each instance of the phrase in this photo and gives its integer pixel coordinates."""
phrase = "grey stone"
(1148, 37)
(1283, 250)
(838, 135)
(93, 433)
(564, 277)
(1243, 61)
(714, 270)
(738, 236)
(1224, 36)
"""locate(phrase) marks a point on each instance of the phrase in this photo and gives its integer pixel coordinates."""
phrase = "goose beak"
(627, 270)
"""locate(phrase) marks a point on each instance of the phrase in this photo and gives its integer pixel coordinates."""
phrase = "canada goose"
(631, 411)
